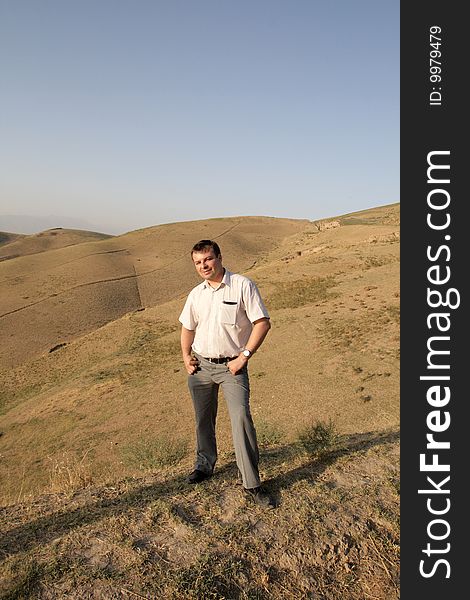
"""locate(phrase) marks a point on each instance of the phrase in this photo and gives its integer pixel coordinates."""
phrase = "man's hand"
(191, 363)
(237, 364)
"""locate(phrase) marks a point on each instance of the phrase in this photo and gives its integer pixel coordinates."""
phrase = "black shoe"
(260, 497)
(197, 476)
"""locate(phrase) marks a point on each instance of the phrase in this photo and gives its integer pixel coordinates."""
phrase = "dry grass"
(333, 535)
(150, 453)
(268, 433)
(300, 292)
(69, 473)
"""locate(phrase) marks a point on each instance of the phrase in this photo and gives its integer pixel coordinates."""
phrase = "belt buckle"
(222, 360)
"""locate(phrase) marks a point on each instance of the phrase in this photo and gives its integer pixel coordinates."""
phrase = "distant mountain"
(32, 224)
(7, 238)
(14, 245)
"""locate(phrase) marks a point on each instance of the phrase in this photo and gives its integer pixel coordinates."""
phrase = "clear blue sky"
(126, 114)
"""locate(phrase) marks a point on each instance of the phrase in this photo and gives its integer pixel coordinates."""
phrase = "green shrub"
(318, 437)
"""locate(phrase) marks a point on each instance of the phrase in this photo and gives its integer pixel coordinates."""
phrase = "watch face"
(247, 353)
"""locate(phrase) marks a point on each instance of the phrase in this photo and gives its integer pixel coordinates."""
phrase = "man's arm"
(187, 338)
(258, 333)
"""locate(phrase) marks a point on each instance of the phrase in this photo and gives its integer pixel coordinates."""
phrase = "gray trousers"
(204, 388)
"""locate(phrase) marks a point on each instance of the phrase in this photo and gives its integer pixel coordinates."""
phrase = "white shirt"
(222, 317)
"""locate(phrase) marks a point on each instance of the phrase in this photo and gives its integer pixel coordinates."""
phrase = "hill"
(7, 238)
(23, 245)
(54, 296)
(103, 424)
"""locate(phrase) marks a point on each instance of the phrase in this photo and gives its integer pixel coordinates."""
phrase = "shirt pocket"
(228, 314)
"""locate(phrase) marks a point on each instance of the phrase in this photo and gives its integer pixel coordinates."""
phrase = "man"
(224, 322)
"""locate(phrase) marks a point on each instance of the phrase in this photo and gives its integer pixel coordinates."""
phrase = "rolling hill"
(53, 296)
(8, 238)
(96, 412)
(21, 245)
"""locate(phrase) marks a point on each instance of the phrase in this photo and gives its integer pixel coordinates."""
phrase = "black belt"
(221, 361)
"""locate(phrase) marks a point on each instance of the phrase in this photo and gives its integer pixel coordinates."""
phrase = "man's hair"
(206, 245)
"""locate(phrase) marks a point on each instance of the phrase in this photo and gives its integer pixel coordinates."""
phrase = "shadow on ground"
(45, 529)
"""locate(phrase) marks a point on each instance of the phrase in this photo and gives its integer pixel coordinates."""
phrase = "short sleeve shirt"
(223, 317)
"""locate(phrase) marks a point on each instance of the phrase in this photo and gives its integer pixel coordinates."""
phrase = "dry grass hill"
(96, 431)
(55, 295)
(14, 245)
(8, 238)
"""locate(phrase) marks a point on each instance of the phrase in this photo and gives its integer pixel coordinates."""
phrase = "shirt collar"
(226, 278)
(225, 281)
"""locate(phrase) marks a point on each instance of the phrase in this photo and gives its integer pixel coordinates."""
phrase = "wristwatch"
(247, 353)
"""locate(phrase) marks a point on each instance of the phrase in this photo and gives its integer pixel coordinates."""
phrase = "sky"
(118, 115)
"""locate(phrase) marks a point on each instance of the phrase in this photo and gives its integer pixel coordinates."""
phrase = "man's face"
(208, 265)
